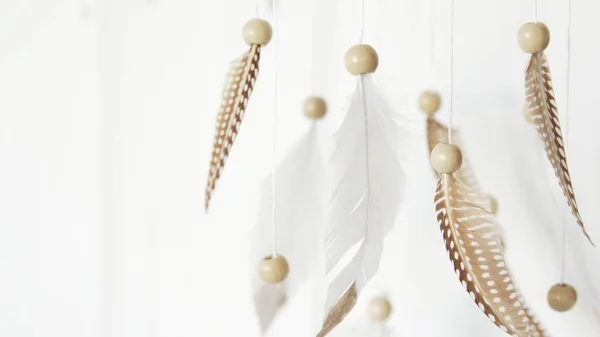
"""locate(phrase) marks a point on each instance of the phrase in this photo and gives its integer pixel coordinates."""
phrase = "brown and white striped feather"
(238, 88)
(544, 113)
(473, 244)
(438, 133)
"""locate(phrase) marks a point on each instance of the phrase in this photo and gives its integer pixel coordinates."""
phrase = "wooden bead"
(562, 297)
(315, 107)
(429, 102)
(361, 59)
(274, 269)
(527, 114)
(446, 158)
(257, 31)
(380, 309)
(534, 37)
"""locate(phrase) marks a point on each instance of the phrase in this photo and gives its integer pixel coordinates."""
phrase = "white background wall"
(106, 121)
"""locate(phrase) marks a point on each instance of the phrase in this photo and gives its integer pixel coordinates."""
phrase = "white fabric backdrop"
(106, 119)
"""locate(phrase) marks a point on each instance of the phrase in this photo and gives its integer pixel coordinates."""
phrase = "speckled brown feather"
(544, 114)
(238, 88)
(473, 244)
(536, 328)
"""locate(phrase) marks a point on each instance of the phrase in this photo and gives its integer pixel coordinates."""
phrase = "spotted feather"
(238, 88)
(544, 114)
(473, 244)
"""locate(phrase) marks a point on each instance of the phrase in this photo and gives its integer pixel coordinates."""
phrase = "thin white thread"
(451, 100)
(362, 21)
(563, 249)
(313, 63)
(258, 8)
(276, 84)
(568, 99)
(535, 10)
(318, 50)
(431, 36)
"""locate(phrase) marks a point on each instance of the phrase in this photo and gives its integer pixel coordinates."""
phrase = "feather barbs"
(366, 179)
(544, 115)
(238, 88)
(338, 312)
(474, 247)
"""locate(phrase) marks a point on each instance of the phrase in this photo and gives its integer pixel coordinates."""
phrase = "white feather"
(299, 219)
(367, 182)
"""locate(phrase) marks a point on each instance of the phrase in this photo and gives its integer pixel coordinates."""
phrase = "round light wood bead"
(429, 102)
(257, 31)
(315, 107)
(361, 59)
(380, 309)
(527, 114)
(534, 37)
(274, 269)
(562, 297)
(446, 158)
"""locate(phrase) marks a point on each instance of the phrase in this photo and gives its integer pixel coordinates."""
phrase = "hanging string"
(318, 59)
(451, 100)
(568, 99)
(431, 36)
(535, 10)
(258, 8)
(315, 51)
(563, 252)
(362, 21)
(276, 84)
(363, 96)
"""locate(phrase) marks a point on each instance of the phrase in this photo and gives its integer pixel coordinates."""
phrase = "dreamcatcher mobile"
(344, 202)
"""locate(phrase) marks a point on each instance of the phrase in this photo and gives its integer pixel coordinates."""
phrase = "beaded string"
(451, 100)
(276, 84)
(568, 99)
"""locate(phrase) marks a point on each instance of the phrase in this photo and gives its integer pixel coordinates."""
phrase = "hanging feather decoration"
(438, 133)
(429, 102)
(298, 217)
(534, 38)
(366, 184)
(473, 243)
(238, 88)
